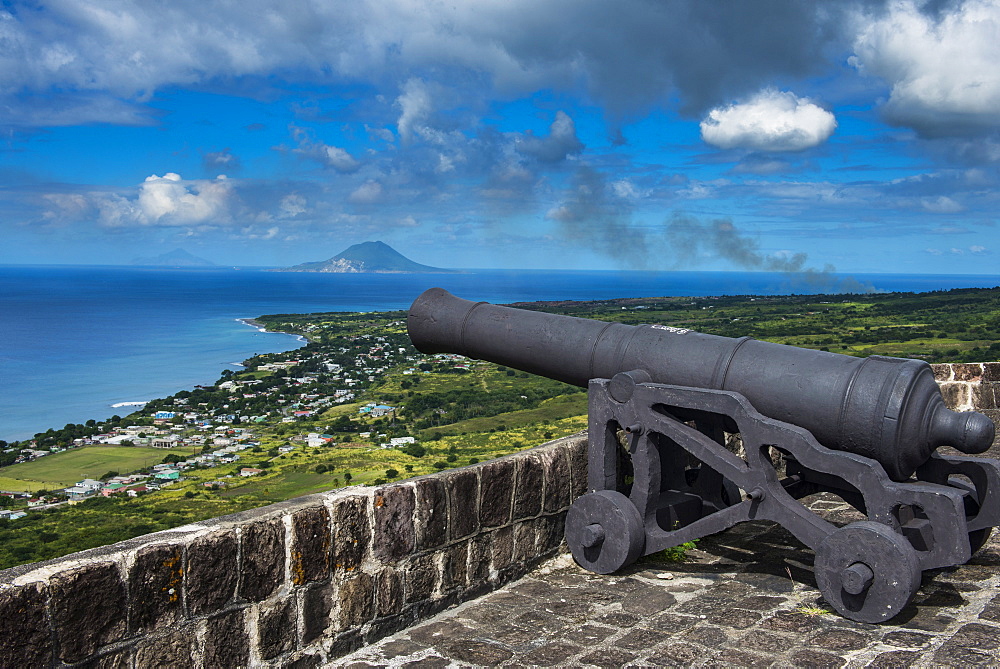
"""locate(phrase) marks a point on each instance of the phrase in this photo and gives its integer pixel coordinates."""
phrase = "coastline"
(260, 327)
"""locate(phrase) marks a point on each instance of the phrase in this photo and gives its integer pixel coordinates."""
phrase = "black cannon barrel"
(888, 409)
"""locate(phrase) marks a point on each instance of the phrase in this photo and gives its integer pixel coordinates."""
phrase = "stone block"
(432, 513)
(155, 583)
(956, 395)
(393, 537)
(303, 661)
(311, 540)
(352, 533)
(356, 601)
(503, 547)
(25, 638)
(165, 651)
(991, 372)
(497, 492)
(524, 542)
(262, 547)
(227, 643)
(317, 603)
(119, 658)
(88, 608)
(455, 567)
(974, 644)
(421, 577)
(211, 576)
(388, 592)
(529, 486)
(463, 502)
(983, 397)
(346, 643)
(577, 451)
(383, 627)
(276, 628)
(480, 552)
(558, 481)
(549, 532)
(942, 372)
(969, 371)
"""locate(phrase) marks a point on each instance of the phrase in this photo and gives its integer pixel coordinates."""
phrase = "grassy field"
(64, 469)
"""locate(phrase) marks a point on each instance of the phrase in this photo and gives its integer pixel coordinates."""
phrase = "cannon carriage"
(663, 401)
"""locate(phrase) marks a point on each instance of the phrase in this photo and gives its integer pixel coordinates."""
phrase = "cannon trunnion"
(662, 401)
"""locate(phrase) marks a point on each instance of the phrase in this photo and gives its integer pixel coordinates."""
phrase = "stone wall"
(973, 386)
(305, 581)
(297, 583)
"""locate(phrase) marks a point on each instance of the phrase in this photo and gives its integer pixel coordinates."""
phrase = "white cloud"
(770, 121)
(168, 201)
(292, 205)
(941, 205)
(327, 155)
(942, 69)
(415, 108)
(369, 192)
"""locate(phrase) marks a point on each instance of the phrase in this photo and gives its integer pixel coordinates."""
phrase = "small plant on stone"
(812, 610)
(675, 553)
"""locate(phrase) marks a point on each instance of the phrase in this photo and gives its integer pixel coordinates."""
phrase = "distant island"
(367, 258)
(175, 258)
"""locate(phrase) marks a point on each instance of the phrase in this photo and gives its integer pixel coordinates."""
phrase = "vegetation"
(456, 411)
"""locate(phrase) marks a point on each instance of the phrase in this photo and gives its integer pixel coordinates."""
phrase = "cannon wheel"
(977, 538)
(604, 531)
(867, 572)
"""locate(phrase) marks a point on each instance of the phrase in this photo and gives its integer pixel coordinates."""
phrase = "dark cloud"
(559, 144)
(628, 56)
(224, 161)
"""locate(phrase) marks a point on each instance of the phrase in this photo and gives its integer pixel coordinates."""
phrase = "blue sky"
(774, 135)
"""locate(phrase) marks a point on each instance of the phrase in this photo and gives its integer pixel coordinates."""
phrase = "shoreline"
(257, 325)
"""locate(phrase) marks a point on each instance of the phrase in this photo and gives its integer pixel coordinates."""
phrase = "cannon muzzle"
(887, 409)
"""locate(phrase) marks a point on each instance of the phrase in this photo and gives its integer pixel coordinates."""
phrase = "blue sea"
(75, 341)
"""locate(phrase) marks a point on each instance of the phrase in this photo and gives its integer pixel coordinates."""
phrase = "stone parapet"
(972, 386)
(303, 582)
(297, 583)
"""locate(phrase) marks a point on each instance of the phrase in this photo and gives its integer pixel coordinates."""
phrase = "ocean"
(76, 341)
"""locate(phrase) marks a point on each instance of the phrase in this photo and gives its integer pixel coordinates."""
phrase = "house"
(168, 475)
(399, 441)
(286, 449)
(91, 484)
(249, 471)
(169, 441)
(77, 493)
(12, 515)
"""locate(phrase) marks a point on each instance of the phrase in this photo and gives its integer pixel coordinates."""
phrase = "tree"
(347, 477)
(321, 469)
(391, 473)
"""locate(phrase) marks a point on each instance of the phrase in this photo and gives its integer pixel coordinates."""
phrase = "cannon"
(663, 402)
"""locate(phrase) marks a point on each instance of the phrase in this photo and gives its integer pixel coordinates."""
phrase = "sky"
(557, 134)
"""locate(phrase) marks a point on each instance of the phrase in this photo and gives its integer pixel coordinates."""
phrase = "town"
(357, 404)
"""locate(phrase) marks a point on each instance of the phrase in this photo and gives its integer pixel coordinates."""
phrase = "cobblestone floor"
(745, 597)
